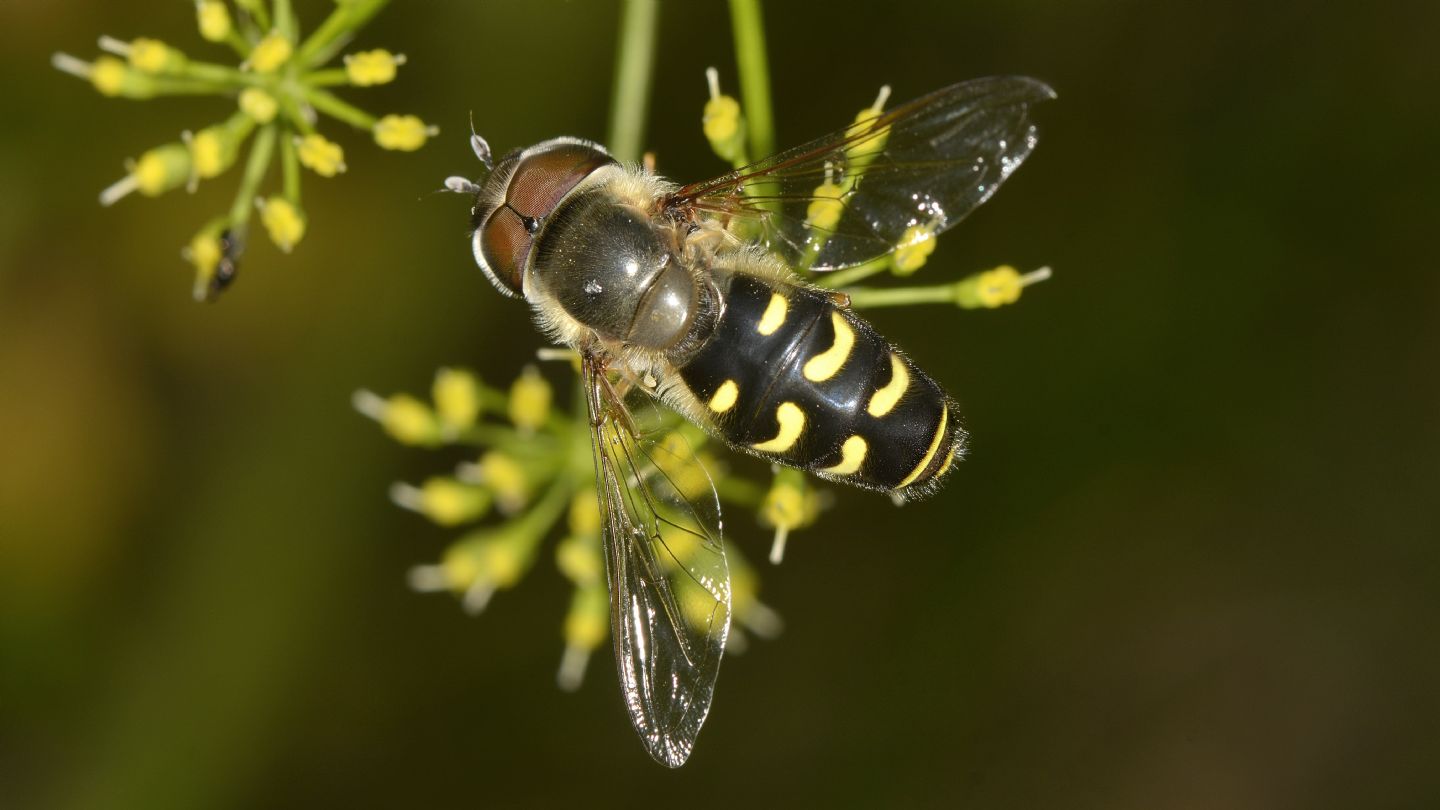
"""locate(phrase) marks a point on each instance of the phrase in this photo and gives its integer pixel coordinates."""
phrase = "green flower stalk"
(281, 88)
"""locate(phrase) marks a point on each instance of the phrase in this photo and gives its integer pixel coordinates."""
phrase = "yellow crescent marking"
(852, 454)
(934, 446)
(824, 365)
(884, 400)
(792, 424)
(725, 397)
(774, 314)
(948, 460)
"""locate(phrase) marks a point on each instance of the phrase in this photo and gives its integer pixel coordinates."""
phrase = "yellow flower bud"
(826, 208)
(259, 105)
(999, 286)
(578, 558)
(489, 557)
(457, 398)
(676, 458)
(204, 252)
(461, 567)
(284, 221)
(208, 153)
(162, 169)
(723, 124)
(322, 156)
(215, 148)
(404, 133)
(504, 476)
(213, 17)
(789, 504)
(584, 517)
(214, 252)
(408, 421)
(587, 625)
(721, 119)
(995, 288)
(449, 502)
(530, 397)
(109, 75)
(270, 53)
(784, 507)
(915, 247)
(865, 150)
(153, 56)
(372, 67)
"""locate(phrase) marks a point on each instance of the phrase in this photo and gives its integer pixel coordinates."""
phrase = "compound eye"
(504, 243)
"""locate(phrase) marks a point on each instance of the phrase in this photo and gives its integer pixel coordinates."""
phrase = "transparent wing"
(855, 194)
(669, 582)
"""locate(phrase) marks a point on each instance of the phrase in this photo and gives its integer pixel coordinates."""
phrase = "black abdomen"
(790, 376)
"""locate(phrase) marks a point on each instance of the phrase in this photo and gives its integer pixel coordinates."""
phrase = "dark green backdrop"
(1191, 562)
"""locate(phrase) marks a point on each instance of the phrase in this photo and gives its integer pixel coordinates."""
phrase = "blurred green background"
(1191, 562)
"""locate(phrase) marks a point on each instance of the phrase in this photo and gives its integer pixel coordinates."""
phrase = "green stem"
(290, 165)
(238, 43)
(634, 63)
(294, 114)
(221, 74)
(334, 31)
(334, 77)
(331, 105)
(285, 21)
(863, 297)
(740, 492)
(844, 278)
(256, 12)
(749, 27)
(255, 167)
(534, 525)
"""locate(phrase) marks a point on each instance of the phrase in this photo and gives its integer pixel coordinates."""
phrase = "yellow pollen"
(321, 155)
(284, 222)
(372, 67)
(852, 454)
(721, 119)
(270, 53)
(259, 105)
(915, 246)
(208, 153)
(774, 315)
(109, 75)
(825, 207)
(725, 397)
(934, 446)
(884, 400)
(404, 133)
(792, 424)
(149, 55)
(214, 20)
(825, 365)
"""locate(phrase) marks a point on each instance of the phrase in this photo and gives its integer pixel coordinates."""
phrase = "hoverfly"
(690, 294)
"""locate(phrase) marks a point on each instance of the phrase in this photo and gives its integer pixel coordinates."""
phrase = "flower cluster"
(531, 476)
(280, 89)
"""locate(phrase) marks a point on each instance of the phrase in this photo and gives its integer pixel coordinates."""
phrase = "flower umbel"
(280, 88)
(533, 478)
